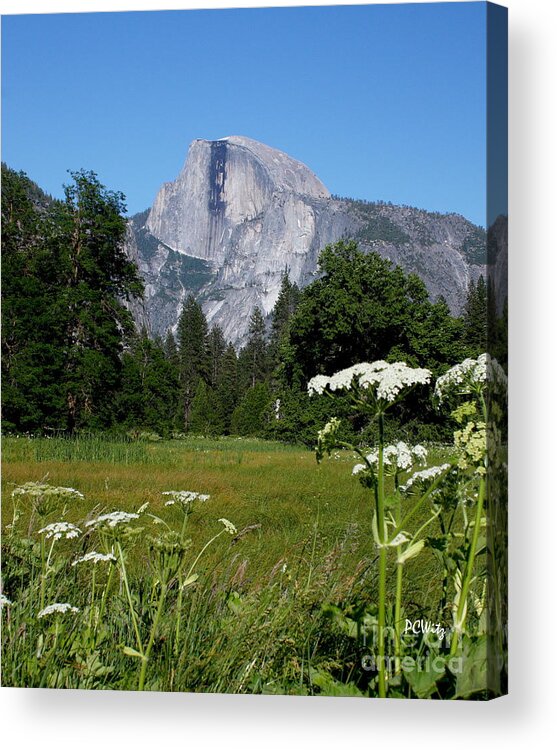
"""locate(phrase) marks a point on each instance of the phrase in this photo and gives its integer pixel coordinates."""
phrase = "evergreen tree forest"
(73, 359)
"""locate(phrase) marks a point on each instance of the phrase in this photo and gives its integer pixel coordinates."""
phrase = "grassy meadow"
(256, 617)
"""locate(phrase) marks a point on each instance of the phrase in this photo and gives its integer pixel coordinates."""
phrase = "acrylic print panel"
(282, 237)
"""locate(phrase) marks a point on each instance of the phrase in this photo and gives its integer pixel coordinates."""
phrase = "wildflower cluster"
(388, 380)
(422, 476)
(94, 557)
(184, 497)
(399, 457)
(42, 490)
(60, 530)
(327, 438)
(471, 443)
(111, 520)
(4, 601)
(470, 376)
(228, 526)
(58, 608)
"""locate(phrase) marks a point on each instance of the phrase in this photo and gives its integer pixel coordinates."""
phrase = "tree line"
(74, 360)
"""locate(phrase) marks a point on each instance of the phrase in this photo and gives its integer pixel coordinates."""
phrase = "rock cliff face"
(241, 213)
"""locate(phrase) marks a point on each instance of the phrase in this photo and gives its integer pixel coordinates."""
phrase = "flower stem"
(180, 592)
(180, 589)
(130, 603)
(190, 571)
(43, 574)
(469, 569)
(421, 500)
(145, 659)
(105, 594)
(398, 608)
(92, 596)
(381, 530)
(398, 594)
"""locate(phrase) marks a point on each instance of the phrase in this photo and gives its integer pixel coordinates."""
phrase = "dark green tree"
(192, 347)
(285, 307)
(475, 318)
(206, 415)
(253, 413)
(216, 346)
(253, 363)
(66, 276)
(363, 309)
(227, 387)
(171, 349)
(32, 339)
(149, 395)
(96, 275)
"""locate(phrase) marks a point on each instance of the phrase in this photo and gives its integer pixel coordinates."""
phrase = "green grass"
(254, 621)
(250, 481)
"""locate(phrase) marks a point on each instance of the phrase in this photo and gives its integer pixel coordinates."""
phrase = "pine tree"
(205, 417)
(96, 274)
(475, 323)
(33, 393)
(192, 347)
(171, 349)
(227, 386)
(66, 285)
(216, 346)
(148, 398)
(253, 364)
(285, 307)
(253, 413)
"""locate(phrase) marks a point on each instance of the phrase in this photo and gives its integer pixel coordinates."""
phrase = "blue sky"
(381, 102)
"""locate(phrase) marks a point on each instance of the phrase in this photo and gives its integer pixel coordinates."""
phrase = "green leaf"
(411, 551)
(329, 686)
(471, 667)
(346, 624)
(235, 603)
(190, 579)
(128, 651)
(423, 677)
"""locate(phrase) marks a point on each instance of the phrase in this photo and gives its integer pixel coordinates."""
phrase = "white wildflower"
(425, 474)
(61, 529)
(358, 468)
(112, 519)
(331, 428)
(229, 527)
(387, 379)
(373, 457)
(94, 557)
(343, 379)
(463, 378)
(4, 601)
(327, 437)
(404, 459)
(399, 457)
(318, 384)
(184, 497)
(57, 608)
(40, 489)
(420, 453)
(143, 508)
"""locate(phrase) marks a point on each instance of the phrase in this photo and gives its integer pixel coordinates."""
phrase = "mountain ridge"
(247, 212)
